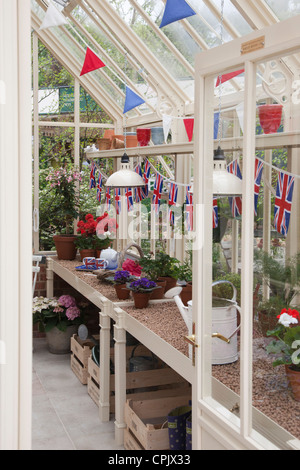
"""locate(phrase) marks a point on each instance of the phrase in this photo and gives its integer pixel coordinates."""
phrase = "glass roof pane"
(135, 21)
(284, 9)
(77, 47)
(233, 16)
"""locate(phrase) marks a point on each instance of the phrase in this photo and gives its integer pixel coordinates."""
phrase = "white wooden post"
(15, 225)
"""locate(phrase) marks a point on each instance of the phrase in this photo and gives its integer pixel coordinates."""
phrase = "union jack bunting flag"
(147, 168)
(173, 192)
(283, 202)
(128, 194)
(215, 212)
(257, 180)
(93, 176)
(235, 202)
(118, 200)
(99, 187)
(138, 193)
(189, 208)
(107, 198)
(158, 185)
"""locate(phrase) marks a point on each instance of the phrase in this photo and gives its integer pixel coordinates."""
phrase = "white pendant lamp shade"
(224, 183)
(125, 177)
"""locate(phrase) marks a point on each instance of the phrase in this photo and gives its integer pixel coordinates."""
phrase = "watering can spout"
(174, 293)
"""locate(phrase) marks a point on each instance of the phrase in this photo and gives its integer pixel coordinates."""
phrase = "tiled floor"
(64, 417)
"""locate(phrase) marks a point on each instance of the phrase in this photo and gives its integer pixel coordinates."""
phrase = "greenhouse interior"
(154, 300)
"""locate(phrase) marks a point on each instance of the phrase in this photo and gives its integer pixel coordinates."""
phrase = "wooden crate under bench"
(160, 382)
(146, 420)
(81, 350)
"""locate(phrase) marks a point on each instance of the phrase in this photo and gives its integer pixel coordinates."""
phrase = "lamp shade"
(125, 177)
(224, 183)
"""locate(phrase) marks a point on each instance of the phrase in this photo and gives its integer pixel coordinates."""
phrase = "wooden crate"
(80, 352)
(130, 442)
(146, 421)
(161, 382)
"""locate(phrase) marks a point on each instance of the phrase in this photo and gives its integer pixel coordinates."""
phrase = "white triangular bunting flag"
(53, 17)
(167, 121)
(240, 113)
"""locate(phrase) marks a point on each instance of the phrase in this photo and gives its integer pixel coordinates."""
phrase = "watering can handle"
(227, 339)
(227, 282)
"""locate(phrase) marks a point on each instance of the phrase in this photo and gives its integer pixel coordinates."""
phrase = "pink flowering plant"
(286, 345)
(62, 182)
(56, 312)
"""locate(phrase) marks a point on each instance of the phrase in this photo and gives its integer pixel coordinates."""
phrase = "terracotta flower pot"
(131, 141)
(65, 246)
(87, 253)
(159, 293)
(141, 299)
(103, 144)
(170, 282)
(270, 117)
(121, 291)
(186, 293)
(117, 143)
(293, 377)
(109, 134)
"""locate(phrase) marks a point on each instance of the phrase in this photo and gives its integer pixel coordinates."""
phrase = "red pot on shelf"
(143, 136)
(270, 117)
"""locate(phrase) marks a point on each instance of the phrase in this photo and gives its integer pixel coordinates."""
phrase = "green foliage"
(224, 290)
(163, 265)
(285, 346)
(282, 277)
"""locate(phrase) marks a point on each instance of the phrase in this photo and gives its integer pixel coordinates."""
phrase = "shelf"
(263, 142)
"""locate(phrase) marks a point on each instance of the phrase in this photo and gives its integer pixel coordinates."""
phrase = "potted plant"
(283, 280)
(141, 291)
(121, 278)
(168, 269)
(59, 318)
(63, 182)
(87, 236)
(185, 280)
(286, 347)
(151, 269)
(106, 228)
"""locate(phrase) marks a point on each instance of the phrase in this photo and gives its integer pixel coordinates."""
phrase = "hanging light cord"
(220, 76)
(125, 116)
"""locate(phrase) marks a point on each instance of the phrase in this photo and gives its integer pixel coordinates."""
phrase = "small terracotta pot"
(65, 246)
(109, 134)
(141, 299)
(159, 293)
(87, 253)
(293, 377)
(186, 293)
(121, 291)
(170, 282)
(131, 141)
(117, 143)
(103, 144)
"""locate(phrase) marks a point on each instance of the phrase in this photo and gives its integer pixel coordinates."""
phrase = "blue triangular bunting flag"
(132, 100)
(176, 10)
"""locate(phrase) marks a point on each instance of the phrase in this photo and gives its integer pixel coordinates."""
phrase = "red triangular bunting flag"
(228, 76)
(189, 127)
(91, 62)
